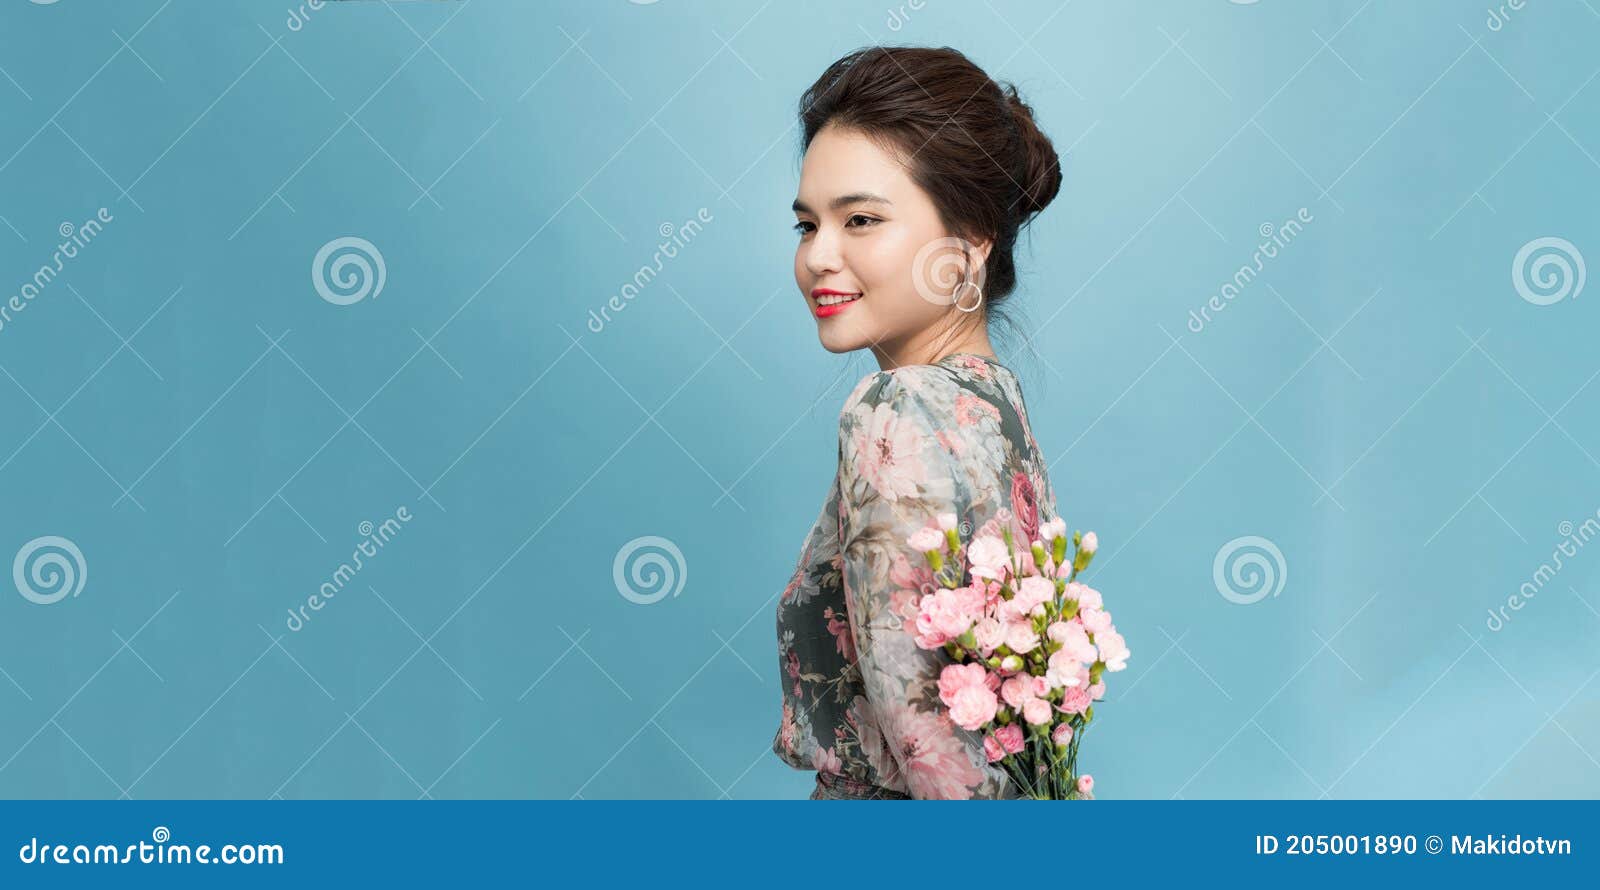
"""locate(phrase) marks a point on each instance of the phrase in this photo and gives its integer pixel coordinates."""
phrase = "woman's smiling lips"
(832, 302)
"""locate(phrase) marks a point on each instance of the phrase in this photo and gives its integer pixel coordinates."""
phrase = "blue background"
(1381, 404)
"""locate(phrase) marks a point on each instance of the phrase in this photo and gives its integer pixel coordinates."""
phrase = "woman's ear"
(978, 254)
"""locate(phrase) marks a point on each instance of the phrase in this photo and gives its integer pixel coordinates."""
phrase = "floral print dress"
(860, 698)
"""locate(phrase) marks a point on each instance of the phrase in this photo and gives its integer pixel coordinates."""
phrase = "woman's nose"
(823, 256)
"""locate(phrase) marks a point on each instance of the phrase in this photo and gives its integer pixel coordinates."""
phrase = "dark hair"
(969, 142)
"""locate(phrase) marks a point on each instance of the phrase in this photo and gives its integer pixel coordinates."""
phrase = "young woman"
(918, 172)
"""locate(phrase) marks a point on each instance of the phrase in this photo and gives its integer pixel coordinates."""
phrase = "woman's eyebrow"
(845, 201)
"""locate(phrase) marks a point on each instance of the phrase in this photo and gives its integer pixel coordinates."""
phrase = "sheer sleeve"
(896, 476)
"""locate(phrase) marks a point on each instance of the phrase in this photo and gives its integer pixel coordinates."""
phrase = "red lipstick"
(834, 308)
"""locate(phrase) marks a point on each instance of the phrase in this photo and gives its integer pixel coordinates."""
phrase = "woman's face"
(867, 230)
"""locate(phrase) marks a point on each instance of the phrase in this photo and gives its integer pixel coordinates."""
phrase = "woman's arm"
(895, 477)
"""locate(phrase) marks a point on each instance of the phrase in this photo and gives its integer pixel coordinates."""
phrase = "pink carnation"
(1094, 619)
(965, 689)
(1113, 651)
(1087, 597)
(1033, 591)
(1018, 689)
(925, 539)
(973, 707)
(1062, 669)
(989, 633)
(988, 558)
(1074, 700)
(1021, 637)
(1036, 711)
(1010, 737)
(1074, 640)
(946, 614)
(992, 749)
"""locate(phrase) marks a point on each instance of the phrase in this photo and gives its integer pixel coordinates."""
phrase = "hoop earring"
(956, 298)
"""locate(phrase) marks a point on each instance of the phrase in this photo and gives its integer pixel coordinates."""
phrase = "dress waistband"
(836, 786)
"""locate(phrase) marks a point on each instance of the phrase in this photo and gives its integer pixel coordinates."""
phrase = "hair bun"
(1039, 163)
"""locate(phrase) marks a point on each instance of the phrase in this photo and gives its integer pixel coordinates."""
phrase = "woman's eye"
(801, 227)
(865, 220)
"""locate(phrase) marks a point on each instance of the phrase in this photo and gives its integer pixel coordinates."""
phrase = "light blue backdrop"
(1402, 420)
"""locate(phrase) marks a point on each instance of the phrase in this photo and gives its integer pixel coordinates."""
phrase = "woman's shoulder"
(927, 389)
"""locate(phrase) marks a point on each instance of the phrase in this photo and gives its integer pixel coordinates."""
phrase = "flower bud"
(1081, 561)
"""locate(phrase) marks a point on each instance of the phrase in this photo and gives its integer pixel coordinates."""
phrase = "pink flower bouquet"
(1030, 645)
